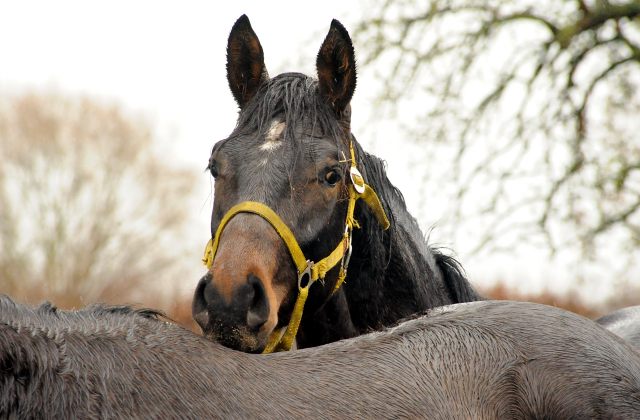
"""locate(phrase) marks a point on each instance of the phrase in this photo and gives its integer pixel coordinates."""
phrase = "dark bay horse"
(481, 360)
(291, 152)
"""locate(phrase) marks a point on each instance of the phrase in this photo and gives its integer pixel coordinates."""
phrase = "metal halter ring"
(307, 271)
(359, 187)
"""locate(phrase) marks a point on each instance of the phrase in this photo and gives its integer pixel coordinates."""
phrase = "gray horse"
(480, 360)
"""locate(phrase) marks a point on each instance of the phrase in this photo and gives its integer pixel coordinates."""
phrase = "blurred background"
(512, 128)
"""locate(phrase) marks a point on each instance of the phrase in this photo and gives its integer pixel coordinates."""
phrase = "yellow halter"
(306, 268)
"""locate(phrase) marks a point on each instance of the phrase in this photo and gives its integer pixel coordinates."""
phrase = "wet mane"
(95, 318)
(294, 98)
(392, 200)
(416, 262)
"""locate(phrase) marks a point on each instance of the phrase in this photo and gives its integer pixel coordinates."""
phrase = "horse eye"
(213, 169)
(332, 178)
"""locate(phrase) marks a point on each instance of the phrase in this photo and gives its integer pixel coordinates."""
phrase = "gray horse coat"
(481, 360)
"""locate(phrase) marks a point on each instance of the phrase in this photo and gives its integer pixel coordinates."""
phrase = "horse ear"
(245, 62)
(336, 67)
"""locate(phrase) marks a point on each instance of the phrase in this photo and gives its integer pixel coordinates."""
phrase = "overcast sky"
(163, 59)
(166, 62)
(159, 60)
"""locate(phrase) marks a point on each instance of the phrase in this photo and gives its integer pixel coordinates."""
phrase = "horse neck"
(392, 274)
(395, 273)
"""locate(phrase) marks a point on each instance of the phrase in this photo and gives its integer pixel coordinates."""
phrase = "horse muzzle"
(238, 323)
(237, 302)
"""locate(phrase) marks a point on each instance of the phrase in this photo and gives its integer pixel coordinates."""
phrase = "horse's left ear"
(336, 66)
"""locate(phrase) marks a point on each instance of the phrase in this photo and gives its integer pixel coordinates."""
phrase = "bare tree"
(531, 109)
(87, 211)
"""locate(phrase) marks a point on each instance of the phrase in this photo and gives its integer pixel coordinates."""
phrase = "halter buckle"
(356, 175)
(347, 255)
(307, 271)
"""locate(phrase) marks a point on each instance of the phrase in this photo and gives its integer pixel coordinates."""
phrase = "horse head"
(289, 153)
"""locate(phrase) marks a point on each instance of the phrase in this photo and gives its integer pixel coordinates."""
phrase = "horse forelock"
(281, 127)
(288, 103)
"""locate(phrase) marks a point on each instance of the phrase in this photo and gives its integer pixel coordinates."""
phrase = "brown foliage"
(88, 212)
(569, 302)
(178, 308)
(628, 295)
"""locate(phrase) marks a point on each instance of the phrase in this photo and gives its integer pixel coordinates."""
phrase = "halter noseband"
(306, 268)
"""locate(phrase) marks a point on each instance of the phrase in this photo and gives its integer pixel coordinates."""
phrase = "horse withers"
(292, 154)
(481, 360)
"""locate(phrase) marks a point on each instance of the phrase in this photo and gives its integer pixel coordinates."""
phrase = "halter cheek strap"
(306, 268)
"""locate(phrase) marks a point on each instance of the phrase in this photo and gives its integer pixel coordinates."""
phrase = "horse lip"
(243, 341)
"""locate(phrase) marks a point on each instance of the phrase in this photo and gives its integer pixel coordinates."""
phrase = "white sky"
(167, 62)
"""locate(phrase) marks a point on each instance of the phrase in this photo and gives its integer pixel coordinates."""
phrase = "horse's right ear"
(245, 62)
(336, 66)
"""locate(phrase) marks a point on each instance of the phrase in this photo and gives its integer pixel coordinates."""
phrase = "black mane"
(399, 258)
(293, 97)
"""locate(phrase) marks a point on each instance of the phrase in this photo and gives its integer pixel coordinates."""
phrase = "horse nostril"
(199, 305)
(258, 312)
